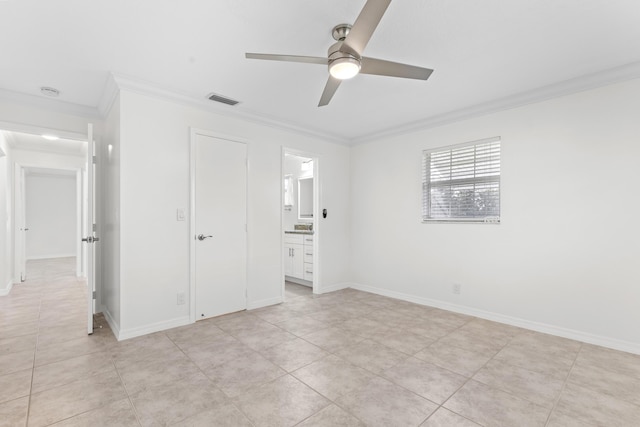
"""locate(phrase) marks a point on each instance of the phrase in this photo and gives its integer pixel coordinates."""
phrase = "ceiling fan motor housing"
(335, 53)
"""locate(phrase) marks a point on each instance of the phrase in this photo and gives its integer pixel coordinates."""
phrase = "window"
(462, 183)
(288, 191)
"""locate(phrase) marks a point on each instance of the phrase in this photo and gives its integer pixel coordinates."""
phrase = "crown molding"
(49, 104)
(141, 87)
(117, 82)
(8, 136)
(109, 95)
(567, 87)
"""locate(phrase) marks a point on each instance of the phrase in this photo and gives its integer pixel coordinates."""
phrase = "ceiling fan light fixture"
(344, 68)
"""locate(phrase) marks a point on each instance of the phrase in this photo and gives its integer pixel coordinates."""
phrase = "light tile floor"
(292, 290)
(347, 358)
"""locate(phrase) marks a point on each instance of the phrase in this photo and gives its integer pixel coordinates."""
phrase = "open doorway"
(47, 205)
(50, 201)
(300, 223)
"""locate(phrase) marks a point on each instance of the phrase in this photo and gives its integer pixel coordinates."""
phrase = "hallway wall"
(51, 214)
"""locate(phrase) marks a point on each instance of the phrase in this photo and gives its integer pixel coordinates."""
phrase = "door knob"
(202, 237)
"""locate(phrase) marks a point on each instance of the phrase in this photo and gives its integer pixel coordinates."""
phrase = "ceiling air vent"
(50, 91)
(222, 99)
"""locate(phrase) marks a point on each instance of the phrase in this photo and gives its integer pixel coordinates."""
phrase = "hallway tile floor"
(347, 358)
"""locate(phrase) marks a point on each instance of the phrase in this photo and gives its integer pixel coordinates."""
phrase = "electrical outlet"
(456, 288)
(181, 298)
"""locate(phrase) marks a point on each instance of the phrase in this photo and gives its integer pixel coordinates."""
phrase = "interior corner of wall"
(334, 287)
(5, 291)
(113, 324)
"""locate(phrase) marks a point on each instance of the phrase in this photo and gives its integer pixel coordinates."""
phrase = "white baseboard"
(252, 305)
(628, 346)
(335, 287)
(298, 281)
(5, 291)
(115, 327)
(125, 334)
(51, 256)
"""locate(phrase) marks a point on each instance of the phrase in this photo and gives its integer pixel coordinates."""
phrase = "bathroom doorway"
(300, 225)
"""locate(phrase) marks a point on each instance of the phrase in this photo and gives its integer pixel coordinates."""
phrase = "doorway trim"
(316, 215)
(193, 132)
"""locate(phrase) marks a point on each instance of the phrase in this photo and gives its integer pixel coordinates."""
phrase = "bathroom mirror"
(305, 198)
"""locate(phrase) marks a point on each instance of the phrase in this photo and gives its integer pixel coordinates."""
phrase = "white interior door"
(219, 190)
(90, 238)
(20, 225)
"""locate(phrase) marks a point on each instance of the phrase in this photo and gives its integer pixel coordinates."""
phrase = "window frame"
(425, 208)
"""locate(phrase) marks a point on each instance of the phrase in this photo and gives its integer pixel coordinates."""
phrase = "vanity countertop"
(298, 232)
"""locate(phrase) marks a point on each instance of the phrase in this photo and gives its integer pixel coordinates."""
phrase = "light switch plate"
(180, 214)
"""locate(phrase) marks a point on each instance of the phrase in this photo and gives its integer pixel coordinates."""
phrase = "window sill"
(462, 221)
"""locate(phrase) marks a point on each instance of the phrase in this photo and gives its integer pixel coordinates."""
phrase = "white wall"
(110, 243)
(292, 166)
(6, 220)
(154, 172)
(51, 215)
(564, 258)
(46, 160)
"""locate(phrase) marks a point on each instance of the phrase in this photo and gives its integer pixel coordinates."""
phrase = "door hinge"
(94, 295)
(95, 227)
(94, 160)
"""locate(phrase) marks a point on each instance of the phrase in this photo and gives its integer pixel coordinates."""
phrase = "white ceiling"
(484, 52)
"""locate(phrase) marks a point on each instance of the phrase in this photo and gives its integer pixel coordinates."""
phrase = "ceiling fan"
(345, 58)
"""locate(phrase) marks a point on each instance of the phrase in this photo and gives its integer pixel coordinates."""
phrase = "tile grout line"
(230, 400)
(33, 367)
(564, 385)
(291, 373)
(470, 377)
(378, 375)
(133, 407)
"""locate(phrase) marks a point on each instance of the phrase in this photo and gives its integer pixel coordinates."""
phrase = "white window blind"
(462, 183)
